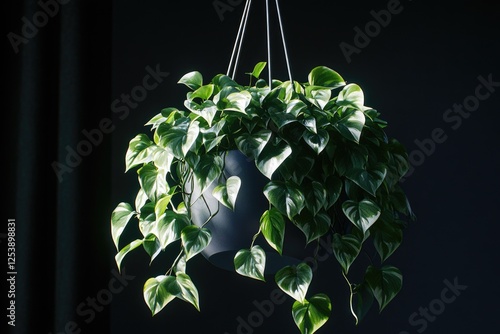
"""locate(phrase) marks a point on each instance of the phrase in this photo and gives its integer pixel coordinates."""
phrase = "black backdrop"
(69, 81)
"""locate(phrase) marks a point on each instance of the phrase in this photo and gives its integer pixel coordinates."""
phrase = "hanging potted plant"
(329, 170)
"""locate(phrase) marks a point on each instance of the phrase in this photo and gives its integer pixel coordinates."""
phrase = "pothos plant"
(332, 171)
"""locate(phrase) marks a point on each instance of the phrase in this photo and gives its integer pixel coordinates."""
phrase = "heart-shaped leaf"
(208, 169)
(286, 197)
(351, 126)
(119, 220)
(251, 262)
(317, 141)
(369, 180)
(323, 76)
(271, 157)
(169, 227)
(152, 246)
(385, 283)
(139, 151)
(295, 280)
(161, 290)
(346, 249)
(125, 250)
(195, 240)
(351, 95)
(193, 80)
(272, 226)
(180, 138)
(313, 227)
(362, 214)
(153, 181)
(252, 144)
(310, 315)
(387, 235)
(228, 193)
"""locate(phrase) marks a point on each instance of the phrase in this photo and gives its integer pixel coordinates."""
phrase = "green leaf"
(310, 315)
(362, 300)
(147, 219)
(119, 219)
(399, 156)
(362, 214)
(181, 265)
(139, 149)
(238, 101)
(257, 70)
(153, 181)
(313, 227)
(316, 196)
(317, 96)
(140, 199)
(208, 169)
(333, 187)
(280, 119)
(193, 80)
(227, 194)
(195, 240)
(180, 138)
(323, 76)
(156, 294)
(164, 201)
(309, 122)
(125, 250)
(346, 249)
(317, 141)
(351, 95)
(285, 196)
(298, 165)
(385, 283)
(272, 226)
(251, 262)
(161, 290)
(152, 246)
(169, 227)
(295, 107)
(271, 157)
(295, 280)
(351, 125)
(188, 291)
(162, 158)
(203, 92)
(370, 180)
(348, 156)
(387, 236)
(207, 110)
(252, 144)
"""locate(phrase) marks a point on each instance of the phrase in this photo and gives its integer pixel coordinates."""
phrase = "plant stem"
(350, 298)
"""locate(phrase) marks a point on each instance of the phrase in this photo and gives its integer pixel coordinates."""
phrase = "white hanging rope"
(268, 45)
(241, 33)
(239, 38)
(284, 43)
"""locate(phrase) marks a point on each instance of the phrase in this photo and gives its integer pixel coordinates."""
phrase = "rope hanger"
(241, 34)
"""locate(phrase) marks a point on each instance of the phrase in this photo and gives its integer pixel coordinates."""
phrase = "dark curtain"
(57, 81)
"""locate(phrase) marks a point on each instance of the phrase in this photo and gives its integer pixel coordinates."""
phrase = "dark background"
(64, 80)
